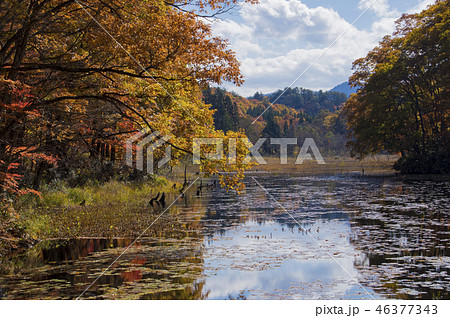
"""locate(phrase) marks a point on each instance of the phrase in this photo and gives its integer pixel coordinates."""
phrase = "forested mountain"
(311, 102)
(324, 121)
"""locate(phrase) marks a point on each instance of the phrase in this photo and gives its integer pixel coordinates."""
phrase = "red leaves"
(38, 156)
(16, 111)
(13, 166)
(29, 191)
(11, 183)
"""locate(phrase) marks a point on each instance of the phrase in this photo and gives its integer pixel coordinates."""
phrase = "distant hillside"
(317, 115)
(309, 101)
(344, 88)
(235, 112)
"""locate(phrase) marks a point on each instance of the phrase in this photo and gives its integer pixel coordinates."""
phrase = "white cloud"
(379, 7)
(384, 26)
(281, 24)
(239, 35)
(277, 40)
(291, 19)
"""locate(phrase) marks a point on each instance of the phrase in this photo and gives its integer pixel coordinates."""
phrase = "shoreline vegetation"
(94, 209)
(121, 208)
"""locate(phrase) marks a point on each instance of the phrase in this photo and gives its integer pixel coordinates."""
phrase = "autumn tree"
(403, 103)
(99, 71)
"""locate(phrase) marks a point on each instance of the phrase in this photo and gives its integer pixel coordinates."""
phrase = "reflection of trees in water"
(65, 269)
(168, 258)
(74, 249)
(399, 224)
(403, 232)
(224, 211)
(193, 292)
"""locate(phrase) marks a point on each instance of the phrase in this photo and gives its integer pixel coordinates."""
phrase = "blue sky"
(278, 40)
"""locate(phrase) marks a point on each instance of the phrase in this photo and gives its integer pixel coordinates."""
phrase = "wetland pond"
(298, 237)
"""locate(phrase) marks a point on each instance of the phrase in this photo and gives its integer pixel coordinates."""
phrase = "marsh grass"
(94, 210)
(113, 192)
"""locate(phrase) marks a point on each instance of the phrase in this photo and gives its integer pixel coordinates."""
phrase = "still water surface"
(335, 237)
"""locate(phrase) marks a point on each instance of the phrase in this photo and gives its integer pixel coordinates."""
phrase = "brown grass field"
(375, 165)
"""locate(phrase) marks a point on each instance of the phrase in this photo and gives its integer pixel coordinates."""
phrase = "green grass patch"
(91, 210)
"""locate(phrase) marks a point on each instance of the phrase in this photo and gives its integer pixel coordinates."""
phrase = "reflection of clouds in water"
(252, 246)
(348, 216)
(322, 279)
(265, 261)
